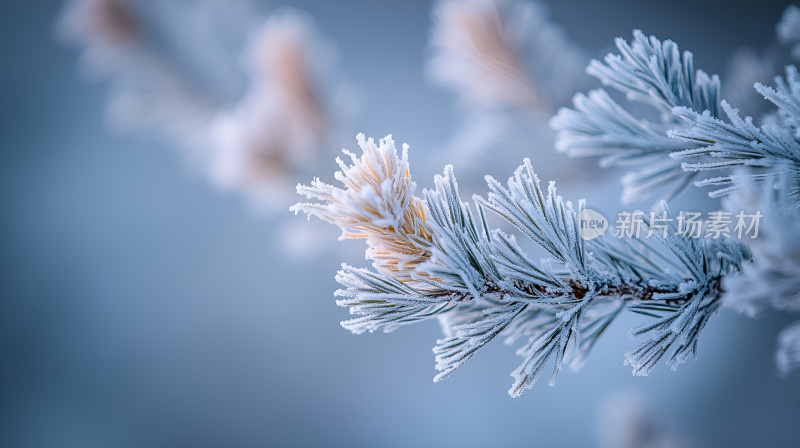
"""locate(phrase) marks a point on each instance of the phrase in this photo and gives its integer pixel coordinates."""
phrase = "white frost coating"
(696, 133)
(738, 142)
(524, 204)
(378, 188)
(384, 302)
(786, 97)
(468, 338)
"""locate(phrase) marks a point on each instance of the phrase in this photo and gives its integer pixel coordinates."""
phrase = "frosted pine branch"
(657, 75)
(437, 258)
(695, 134)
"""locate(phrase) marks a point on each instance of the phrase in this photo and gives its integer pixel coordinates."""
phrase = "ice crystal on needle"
(696, 131)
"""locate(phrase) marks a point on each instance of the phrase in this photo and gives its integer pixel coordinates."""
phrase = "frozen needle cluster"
(686, 132)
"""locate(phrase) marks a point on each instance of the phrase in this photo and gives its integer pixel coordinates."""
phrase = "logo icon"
(593, 224)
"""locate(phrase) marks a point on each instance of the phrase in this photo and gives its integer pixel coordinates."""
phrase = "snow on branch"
(770, 150)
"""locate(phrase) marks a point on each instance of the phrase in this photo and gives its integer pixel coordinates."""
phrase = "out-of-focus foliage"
(255, 128)
(510, 68)
(771, 281)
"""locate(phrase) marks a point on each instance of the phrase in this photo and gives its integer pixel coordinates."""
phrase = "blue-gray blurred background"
(143, 308)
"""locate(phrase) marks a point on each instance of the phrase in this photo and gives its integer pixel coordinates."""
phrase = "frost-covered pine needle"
(695, 134)
(377, 204)
(438, 257)
(655, 74)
